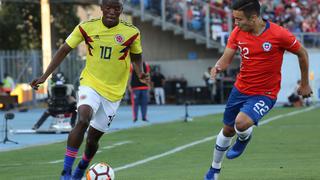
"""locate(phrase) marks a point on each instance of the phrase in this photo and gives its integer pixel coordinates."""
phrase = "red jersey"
(260, 70)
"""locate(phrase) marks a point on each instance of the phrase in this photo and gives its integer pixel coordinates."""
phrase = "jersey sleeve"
(135, 47)
(231, 41)
(75, 38)
(288, 41)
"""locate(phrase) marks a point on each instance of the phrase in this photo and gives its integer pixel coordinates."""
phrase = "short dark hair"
(249, 7)
(101, 2)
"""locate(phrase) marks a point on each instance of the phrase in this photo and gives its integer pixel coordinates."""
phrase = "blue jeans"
(140, 98)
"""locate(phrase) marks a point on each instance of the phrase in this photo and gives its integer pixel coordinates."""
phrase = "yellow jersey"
(108, 55)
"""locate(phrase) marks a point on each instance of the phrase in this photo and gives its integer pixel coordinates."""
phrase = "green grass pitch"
(287, 148)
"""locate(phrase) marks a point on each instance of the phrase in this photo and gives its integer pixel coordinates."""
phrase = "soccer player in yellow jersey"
(111, 46)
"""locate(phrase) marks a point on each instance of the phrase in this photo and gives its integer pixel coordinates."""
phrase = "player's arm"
(224, 61)
(304, 89)
(289, 42)
(138, 68)
(59, 56)
(136, 60)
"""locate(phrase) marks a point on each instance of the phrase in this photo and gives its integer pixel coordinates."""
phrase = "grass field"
(287, 148)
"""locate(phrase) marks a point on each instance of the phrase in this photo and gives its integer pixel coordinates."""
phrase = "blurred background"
(180, 38)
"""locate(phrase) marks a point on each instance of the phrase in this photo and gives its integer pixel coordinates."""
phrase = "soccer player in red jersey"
(262, 45)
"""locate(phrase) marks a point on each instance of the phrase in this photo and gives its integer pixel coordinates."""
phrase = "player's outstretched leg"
(222, 144)
(92, 146)
(75, 139)
(70, 156)
(241, 143)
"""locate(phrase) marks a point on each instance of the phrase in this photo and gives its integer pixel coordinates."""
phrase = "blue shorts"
(255, 106)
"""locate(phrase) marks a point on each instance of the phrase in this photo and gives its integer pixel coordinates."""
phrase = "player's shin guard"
(222, 144)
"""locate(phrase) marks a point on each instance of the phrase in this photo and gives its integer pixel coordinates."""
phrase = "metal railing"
(309, 40)
(24, 66)
(176, 17)
(202, 27)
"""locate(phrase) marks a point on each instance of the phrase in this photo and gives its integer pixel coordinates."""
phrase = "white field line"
(177, 149)
(180, 148)
(106, 147)
(117, 144)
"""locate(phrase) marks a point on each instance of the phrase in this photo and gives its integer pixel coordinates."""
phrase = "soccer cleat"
(78, 174)
(135, 120)
(238, 148)
(145, 120)
(65, 176)
(212, 174)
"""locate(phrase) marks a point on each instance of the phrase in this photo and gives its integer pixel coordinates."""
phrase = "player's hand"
(145, 78)
(36, 82)
(214, 71)
(305, 91)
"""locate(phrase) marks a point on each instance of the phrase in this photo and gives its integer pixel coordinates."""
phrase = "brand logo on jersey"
(96, 37)
(82, 97)
(241, 43)
(119, 38)
(266, 46)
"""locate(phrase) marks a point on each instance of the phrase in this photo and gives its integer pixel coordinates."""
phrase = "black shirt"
(157, 80)
(135, 82)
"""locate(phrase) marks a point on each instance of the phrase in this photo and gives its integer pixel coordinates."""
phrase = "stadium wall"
(176, 56)
(291, 74)
(159, 45)
(191, 70)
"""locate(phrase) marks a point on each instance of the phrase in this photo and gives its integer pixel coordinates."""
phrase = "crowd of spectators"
(296, 15)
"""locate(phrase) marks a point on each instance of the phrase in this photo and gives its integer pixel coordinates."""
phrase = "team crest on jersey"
(119, 38)
(266, 46)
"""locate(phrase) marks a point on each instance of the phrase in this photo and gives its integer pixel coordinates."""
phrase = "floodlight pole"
(46, 34)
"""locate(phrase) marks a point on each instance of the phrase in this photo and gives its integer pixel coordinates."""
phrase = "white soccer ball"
(100, 171)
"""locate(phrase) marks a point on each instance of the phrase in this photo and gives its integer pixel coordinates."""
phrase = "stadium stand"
(301, 17)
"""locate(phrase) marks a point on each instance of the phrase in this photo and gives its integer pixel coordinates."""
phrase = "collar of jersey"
(267, 25)
(106, 26)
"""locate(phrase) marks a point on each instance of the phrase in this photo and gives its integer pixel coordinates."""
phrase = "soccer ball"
(100, 171)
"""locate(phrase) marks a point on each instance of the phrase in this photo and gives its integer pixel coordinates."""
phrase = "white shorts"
(103, 110)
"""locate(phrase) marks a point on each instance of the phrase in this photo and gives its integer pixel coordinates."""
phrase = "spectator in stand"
(158, 82)
(297, 16)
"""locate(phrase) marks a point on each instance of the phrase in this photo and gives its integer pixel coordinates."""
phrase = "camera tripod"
(7, 117)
